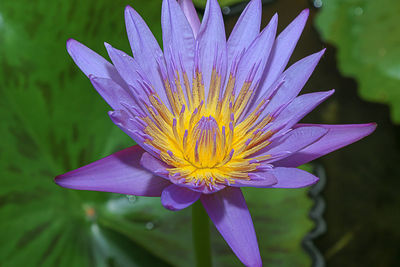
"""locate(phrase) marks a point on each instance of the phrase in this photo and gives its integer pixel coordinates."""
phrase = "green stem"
(201, 235)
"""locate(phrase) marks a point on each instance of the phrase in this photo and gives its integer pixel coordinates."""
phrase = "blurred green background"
(52, 121)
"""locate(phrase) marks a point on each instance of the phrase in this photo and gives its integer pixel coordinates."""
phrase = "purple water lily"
(209, 115)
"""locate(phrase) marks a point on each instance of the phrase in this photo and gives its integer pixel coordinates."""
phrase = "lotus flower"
(209, 116)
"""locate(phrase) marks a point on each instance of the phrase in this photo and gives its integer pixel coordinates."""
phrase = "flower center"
(206, 141)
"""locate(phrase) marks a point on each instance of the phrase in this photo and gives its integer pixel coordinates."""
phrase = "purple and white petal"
(188, 9)
(337, 137)
(118, 173)
(230, 215)
(176, 197)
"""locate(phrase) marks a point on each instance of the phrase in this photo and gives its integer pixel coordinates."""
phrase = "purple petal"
(245, 31)
(256, 55)
(283, 49)
(228, 210)
(117, 173)
(295, 77)
(257, 179)
(92, 63)
(212, 42)
(176, 197)
(191, 15)
(178, 38)
(337, 137)
(126, 66)
(154, 165)
(133, 75)
(293, 178)
(111, 92)
(293, 141)
(127, 124)
(146, 51)
(297, 109)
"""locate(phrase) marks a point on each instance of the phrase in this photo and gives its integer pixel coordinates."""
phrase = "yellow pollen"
(201, 138)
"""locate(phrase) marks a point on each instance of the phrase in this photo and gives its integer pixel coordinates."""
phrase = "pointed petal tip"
(272, 24)
(113, 114)
(371, 126)
(130, 13)
(68, 180)
(58, 180)
(338, 136)
(293, 178)
(308, 183)
(65, 181)
(305, 12)
(94, 80)
(329, 93)
(70, 43)
(317, 55)
(274, 19)
(128, 9)
(311, 182)
(109, 49)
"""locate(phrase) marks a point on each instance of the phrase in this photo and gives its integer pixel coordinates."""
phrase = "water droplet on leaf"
(149, 226)
(358, 11)
(317, 3)
(131, 198)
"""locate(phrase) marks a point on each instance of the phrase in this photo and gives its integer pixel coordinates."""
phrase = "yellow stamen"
(202, 139)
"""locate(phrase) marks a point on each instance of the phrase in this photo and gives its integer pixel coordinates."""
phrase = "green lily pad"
(53, 121)
(367, 36)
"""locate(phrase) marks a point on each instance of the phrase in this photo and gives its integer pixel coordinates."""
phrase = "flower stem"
(201, 235)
